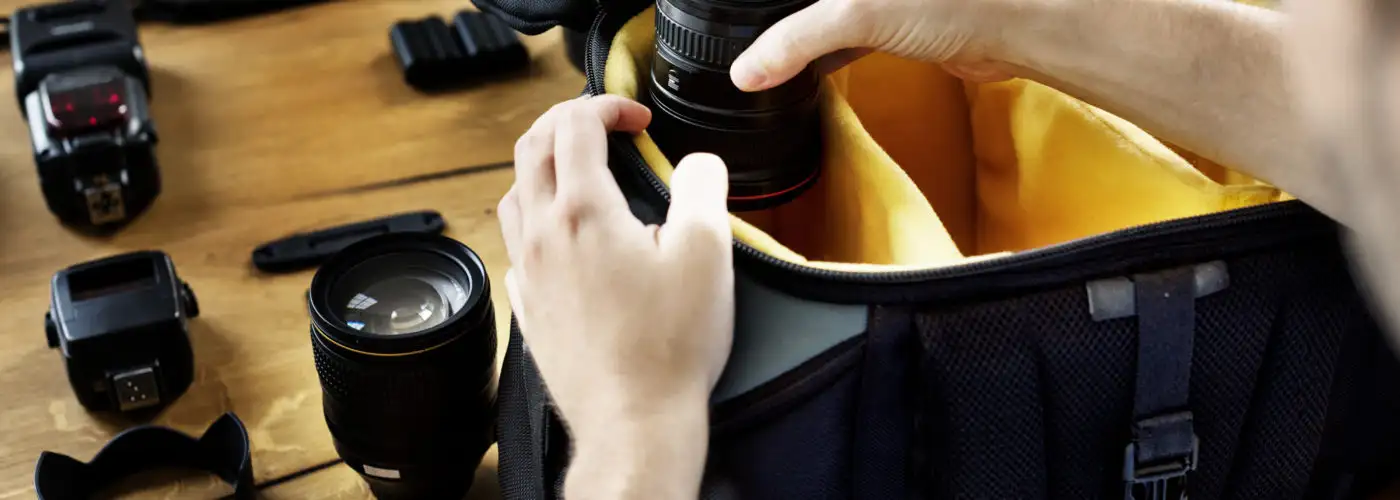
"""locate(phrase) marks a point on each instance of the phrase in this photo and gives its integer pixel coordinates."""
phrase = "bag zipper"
(1200, 227)
(593, 58)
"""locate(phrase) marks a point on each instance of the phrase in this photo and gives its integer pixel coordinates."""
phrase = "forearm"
(1207, 75)
(655, 453)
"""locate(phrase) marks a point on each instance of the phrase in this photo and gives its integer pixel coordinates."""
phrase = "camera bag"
(996, 291)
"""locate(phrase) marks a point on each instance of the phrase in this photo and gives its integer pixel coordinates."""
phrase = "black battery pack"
(436, 56)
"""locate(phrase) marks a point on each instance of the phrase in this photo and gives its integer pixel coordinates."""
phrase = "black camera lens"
(404, 336)
(400, 294)
(768, 139)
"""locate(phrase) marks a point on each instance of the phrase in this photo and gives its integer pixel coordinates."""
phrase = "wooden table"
(268, 126)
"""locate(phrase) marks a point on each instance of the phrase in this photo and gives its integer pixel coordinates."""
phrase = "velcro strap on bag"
(1164, 447)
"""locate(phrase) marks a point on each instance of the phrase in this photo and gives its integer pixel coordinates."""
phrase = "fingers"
(786, 48)
(534, 161)
(581, 148)
(565, 153)
(508, 213)
(621, 114)
(699, 191)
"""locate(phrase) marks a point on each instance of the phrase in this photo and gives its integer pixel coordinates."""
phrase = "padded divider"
(921, 170)
(1051, 169)
(920, 118)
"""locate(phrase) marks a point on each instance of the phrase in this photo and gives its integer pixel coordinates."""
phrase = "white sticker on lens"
(384, 473)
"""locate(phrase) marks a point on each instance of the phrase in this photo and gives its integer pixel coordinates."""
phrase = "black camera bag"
(1228, 353)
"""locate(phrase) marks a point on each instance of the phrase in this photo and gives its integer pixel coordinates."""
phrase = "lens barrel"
(404, 336)
(768, 139)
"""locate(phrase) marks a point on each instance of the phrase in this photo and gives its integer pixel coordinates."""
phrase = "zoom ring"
(695, 46)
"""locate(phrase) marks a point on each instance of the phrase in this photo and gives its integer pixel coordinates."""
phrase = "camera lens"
(404, 337)
(400, 294)
(769, 139)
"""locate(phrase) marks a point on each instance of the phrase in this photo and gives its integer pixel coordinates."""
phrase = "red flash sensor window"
(97, 105)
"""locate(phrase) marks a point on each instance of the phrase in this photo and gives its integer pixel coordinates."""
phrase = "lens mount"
(398, 295)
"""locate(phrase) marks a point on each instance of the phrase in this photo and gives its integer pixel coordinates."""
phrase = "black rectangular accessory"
(83, 87)
(307, 250)
(121, 325)
(435, 56)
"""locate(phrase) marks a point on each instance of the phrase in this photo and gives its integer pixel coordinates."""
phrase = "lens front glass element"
(400, 294)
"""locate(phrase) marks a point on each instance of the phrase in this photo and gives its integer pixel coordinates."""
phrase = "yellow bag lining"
(922, 170)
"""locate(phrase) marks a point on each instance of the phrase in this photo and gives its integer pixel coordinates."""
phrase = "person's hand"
(964, 35)
(630, 324)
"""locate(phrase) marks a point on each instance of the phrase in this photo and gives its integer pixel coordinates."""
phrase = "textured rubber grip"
(695, 46)
(459, 369)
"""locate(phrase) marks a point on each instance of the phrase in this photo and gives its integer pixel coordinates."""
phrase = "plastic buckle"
(1162, 454)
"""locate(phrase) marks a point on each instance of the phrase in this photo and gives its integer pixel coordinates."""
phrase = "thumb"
(699, 202)
(792, 43)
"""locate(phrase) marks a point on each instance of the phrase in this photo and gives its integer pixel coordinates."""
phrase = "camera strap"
(223, 451)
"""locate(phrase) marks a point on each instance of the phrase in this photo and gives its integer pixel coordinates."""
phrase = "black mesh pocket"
(1288, 406)
(1031, 398)
(979, 428)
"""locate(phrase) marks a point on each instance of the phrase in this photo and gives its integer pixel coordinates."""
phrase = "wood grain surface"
(268, 126)
(341, 482)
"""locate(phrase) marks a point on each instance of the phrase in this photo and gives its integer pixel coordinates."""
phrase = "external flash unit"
(121, 325)
(82, 84)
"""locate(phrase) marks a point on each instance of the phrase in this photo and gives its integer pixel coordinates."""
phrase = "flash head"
(121, 325)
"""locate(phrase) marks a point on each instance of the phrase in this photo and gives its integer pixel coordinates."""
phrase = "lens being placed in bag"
(770, 139)
(404, 337)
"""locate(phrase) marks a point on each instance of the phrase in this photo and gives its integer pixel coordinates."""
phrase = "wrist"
(1047, 37)
(1028, 34)
(656, 452)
